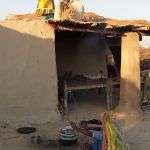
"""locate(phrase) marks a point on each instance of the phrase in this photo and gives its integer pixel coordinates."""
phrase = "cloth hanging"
(45, 7)
(112, 137)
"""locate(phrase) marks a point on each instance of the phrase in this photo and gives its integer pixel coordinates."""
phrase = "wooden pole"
(130, 73)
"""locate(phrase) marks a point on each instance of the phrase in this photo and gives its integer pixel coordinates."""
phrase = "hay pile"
(74, 10)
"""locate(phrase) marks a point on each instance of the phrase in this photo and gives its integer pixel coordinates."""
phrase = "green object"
(114, 140)
(50, 16)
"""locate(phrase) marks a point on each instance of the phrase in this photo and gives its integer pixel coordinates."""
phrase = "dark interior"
(74, 58)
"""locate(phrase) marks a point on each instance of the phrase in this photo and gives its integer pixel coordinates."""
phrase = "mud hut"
(34, 52)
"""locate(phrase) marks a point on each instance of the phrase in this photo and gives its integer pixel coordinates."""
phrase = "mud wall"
(28, 80)
(130, 86)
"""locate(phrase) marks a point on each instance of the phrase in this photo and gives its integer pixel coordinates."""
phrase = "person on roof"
(45, 7)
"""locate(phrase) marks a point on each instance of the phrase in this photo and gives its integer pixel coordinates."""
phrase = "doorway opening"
(82, 71)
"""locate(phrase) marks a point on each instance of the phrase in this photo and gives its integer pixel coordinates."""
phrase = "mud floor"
(137, 131)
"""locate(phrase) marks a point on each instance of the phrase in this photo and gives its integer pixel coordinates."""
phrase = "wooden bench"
(70, 86)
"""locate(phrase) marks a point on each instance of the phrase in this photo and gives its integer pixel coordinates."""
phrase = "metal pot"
(68, 136)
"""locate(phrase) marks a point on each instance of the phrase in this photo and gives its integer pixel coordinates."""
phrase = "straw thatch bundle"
(71, 9)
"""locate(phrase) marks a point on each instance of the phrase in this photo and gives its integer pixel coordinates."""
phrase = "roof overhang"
(108, 28)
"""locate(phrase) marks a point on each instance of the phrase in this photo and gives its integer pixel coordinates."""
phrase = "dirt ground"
(136, 130)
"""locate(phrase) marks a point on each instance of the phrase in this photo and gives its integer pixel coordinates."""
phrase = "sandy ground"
(138, 135)
(136, 131)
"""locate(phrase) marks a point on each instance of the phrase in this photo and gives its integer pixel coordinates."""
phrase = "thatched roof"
(90, 22)
(103, 27)
(94, 23)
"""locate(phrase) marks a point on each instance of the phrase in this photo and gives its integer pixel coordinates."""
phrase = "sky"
(120, 9)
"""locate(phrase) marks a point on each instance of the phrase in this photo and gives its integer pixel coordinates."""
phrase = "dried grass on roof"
(84, 17)
(89, 18)
(92, 17)
(115, 22)
(26, 17)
